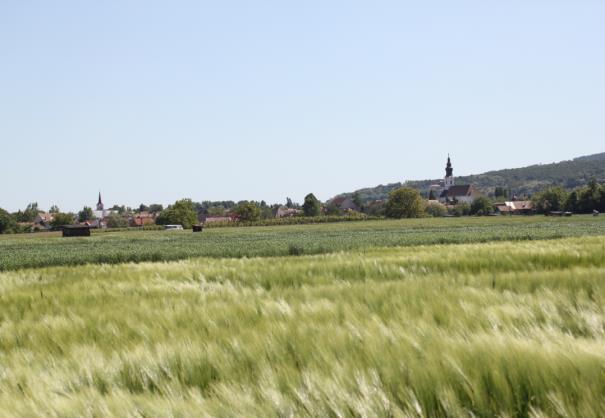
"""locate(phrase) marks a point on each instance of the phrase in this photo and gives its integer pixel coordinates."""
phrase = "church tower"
(100, 205)
(448, 181)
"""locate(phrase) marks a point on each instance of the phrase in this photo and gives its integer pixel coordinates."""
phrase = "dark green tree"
(117, 221)
(358, 201)
(247, 211)
(182, 212)
(54, 209)
(571, 203)
(7, 221)
(482, 206)
(432, 195)
(61, 219)
(156, 208)
(85, 214)
(404, 202)
(29, 214)
(311, 207)
(551, 199)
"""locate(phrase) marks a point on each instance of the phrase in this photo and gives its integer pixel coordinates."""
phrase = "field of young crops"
(115, 247)
(491, 329)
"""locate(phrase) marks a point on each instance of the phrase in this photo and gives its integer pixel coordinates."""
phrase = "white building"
(452, 194)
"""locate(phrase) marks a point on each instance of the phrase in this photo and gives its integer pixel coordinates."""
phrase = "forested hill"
(520, 181)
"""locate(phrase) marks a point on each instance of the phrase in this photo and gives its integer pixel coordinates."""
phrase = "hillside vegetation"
(521, 181)
(19, 251)
(498, 329)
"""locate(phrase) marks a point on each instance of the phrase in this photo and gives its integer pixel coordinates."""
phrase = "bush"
(461, 209)
(295, 249)
(61, 219)
(405, 203)
(481, 206)
(182, 212)
(311, 207)
(248, 211)
(436, 209)
(117, 221)
(7, 222)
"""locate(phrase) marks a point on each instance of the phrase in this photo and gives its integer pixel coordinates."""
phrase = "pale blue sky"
(152, 101)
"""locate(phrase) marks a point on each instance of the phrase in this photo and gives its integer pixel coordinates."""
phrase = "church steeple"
(100, 203)
(449, 174)
(449, 171)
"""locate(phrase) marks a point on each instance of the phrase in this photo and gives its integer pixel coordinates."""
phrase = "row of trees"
(406, 202)
(580, 200)
(403, 202)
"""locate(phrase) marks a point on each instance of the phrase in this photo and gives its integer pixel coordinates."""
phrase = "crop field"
(116, 247)
(492, 329)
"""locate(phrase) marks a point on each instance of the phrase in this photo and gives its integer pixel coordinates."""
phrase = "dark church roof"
(463, 190)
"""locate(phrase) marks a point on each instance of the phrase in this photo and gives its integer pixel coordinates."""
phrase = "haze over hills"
(519, 181)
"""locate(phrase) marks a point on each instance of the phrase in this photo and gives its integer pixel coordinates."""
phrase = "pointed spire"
(449, 171)
(100, 202)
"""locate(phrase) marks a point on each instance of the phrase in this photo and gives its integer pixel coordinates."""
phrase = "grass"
(494, 329)
(117, 247)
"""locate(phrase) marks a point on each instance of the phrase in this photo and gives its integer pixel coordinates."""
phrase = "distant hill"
(520, 181)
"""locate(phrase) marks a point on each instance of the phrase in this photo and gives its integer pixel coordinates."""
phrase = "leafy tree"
(216, 211)
(61, 219)
(86, 214)
(29, 214)
(357, 200)
(311, 207)
(156, 208)
(432, 195)
(143, 208)
(289, 203)
(571, 203)
(7, 221)
(461, 209)
(120, 209)
(333, 209)
(551, 199)
(266, 211)
(500, 192)
(436, 209)
(247, 211)
(482, 206)
(375, 208)
(182, 212)
(54, 209)
(404, 203)
(117, 221)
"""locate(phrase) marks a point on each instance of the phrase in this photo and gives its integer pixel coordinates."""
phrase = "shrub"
(182, 212)
(482, 206)
(436, 209)
(405, 203)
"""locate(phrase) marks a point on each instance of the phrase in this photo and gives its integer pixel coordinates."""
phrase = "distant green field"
(508, 329)
(35, 251)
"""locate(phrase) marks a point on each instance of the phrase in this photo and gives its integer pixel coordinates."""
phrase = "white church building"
(452, 193)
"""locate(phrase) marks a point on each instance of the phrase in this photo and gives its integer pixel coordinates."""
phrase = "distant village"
(445, 198)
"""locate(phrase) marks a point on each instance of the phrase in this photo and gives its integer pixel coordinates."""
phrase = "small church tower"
(100, 205)
(448, 181)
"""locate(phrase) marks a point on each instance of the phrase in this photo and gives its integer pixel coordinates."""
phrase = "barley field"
(507, 329)
(33, 250)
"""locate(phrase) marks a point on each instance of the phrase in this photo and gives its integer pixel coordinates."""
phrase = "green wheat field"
(439, 318)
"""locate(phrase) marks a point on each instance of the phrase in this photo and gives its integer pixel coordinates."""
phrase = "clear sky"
(151, 101)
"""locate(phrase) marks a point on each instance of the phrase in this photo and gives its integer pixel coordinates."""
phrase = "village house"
(286, 212)
(345, 204)
(43, 220)
(518, 207)
(142, 219)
